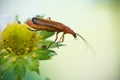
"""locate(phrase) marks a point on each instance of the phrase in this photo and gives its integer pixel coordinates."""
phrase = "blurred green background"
(96, 20)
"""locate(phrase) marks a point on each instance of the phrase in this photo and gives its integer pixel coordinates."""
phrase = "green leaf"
(44, 78)
(6, 66)
(20, 70)
(32, 64)
(2, 55)
(45, 54)
(46, 34)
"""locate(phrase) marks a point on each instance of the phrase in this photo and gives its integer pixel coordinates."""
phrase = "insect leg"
(56, 36)
(54, 40)
(49, 18)
(62, 38)
(32, 29)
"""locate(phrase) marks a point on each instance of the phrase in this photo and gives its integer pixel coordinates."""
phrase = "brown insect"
(52, 26)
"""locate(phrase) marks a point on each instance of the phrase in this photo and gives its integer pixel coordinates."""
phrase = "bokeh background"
(98, 21)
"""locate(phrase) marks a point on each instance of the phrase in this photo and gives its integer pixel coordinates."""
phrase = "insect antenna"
(86, 42)
(82, 38)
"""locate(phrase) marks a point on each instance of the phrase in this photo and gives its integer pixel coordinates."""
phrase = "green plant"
(21, 49)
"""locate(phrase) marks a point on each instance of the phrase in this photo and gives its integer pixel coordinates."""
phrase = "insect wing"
(50, 23)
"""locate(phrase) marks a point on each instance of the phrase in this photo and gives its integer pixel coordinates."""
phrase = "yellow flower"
(6, 57)
(18, 38)
(14, 59)
(20, 49)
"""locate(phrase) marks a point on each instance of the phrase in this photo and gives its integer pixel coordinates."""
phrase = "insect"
(52, 26)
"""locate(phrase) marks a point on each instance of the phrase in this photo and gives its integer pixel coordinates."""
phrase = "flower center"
(18, 38)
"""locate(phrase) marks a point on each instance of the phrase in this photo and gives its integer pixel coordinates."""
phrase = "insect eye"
(34, 20)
